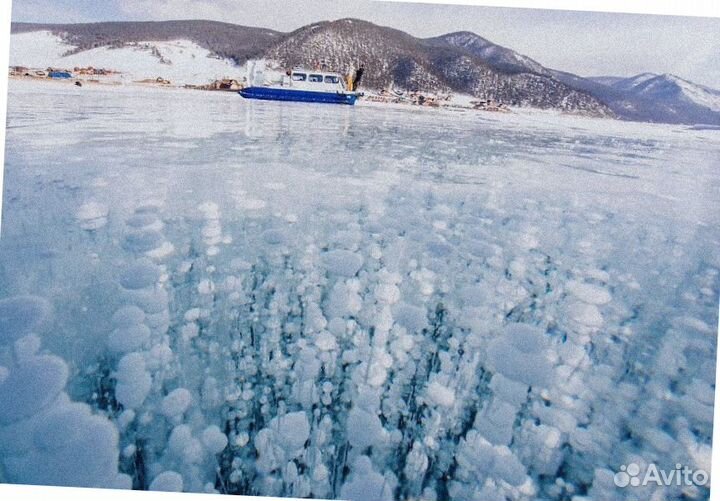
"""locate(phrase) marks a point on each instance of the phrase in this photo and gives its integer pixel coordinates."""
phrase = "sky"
(585, 43)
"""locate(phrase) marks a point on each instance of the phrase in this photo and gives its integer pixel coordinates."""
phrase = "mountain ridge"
(393, 58)
(620, 94)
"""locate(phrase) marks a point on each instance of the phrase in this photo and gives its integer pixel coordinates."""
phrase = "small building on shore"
(157, 81)
(228, 84)
(91, 71)
(19, 71)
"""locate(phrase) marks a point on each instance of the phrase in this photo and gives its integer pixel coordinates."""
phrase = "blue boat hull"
(303, 96)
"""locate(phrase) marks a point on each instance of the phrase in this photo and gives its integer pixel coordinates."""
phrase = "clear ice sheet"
(369, 302)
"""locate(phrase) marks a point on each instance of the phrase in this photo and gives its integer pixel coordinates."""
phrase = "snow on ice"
(356, 303)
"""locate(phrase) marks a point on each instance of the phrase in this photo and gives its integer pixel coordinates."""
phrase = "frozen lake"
(342, 302)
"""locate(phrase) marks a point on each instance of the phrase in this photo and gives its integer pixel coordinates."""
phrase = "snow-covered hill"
(231, 41)
(671, 89)
(497, 56)
(644, 97)
(397, 60)
(628, 84)
(659, 98)
(180, 61)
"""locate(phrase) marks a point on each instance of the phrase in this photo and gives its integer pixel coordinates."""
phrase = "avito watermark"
(631, 475)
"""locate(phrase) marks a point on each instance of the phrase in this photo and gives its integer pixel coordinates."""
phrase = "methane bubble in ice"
(167, 481)
(20, 315)
(92, 216)
(342, 262)
(140, 275)
(128, 316)
(143, 240)
(31, 386)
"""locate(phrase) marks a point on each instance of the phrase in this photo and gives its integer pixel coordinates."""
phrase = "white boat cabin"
(312, 80)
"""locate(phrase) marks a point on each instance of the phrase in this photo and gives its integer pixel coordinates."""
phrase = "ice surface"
(402, 303)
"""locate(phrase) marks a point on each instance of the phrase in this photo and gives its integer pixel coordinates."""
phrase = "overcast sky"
(590, 44)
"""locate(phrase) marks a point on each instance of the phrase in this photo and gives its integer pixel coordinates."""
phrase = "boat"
(308, 86)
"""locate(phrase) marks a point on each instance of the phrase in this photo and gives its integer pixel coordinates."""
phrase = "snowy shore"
(453, 103)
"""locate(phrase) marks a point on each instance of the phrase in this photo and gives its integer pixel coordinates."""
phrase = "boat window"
(315, 78)
(332, 79)
(299, 77)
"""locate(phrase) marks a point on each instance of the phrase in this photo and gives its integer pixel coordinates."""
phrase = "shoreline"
(374, 100)
(527, 113)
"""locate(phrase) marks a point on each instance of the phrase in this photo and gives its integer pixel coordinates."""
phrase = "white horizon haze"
(585, 43)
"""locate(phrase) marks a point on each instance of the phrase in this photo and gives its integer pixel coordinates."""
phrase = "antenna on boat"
(358, 77)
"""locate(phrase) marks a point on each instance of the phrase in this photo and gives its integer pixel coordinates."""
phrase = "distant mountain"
(646, 97)
(665, 98)
(496, 56)
(626, 84)
(672, 90)
(606, 80)
(460, 62)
